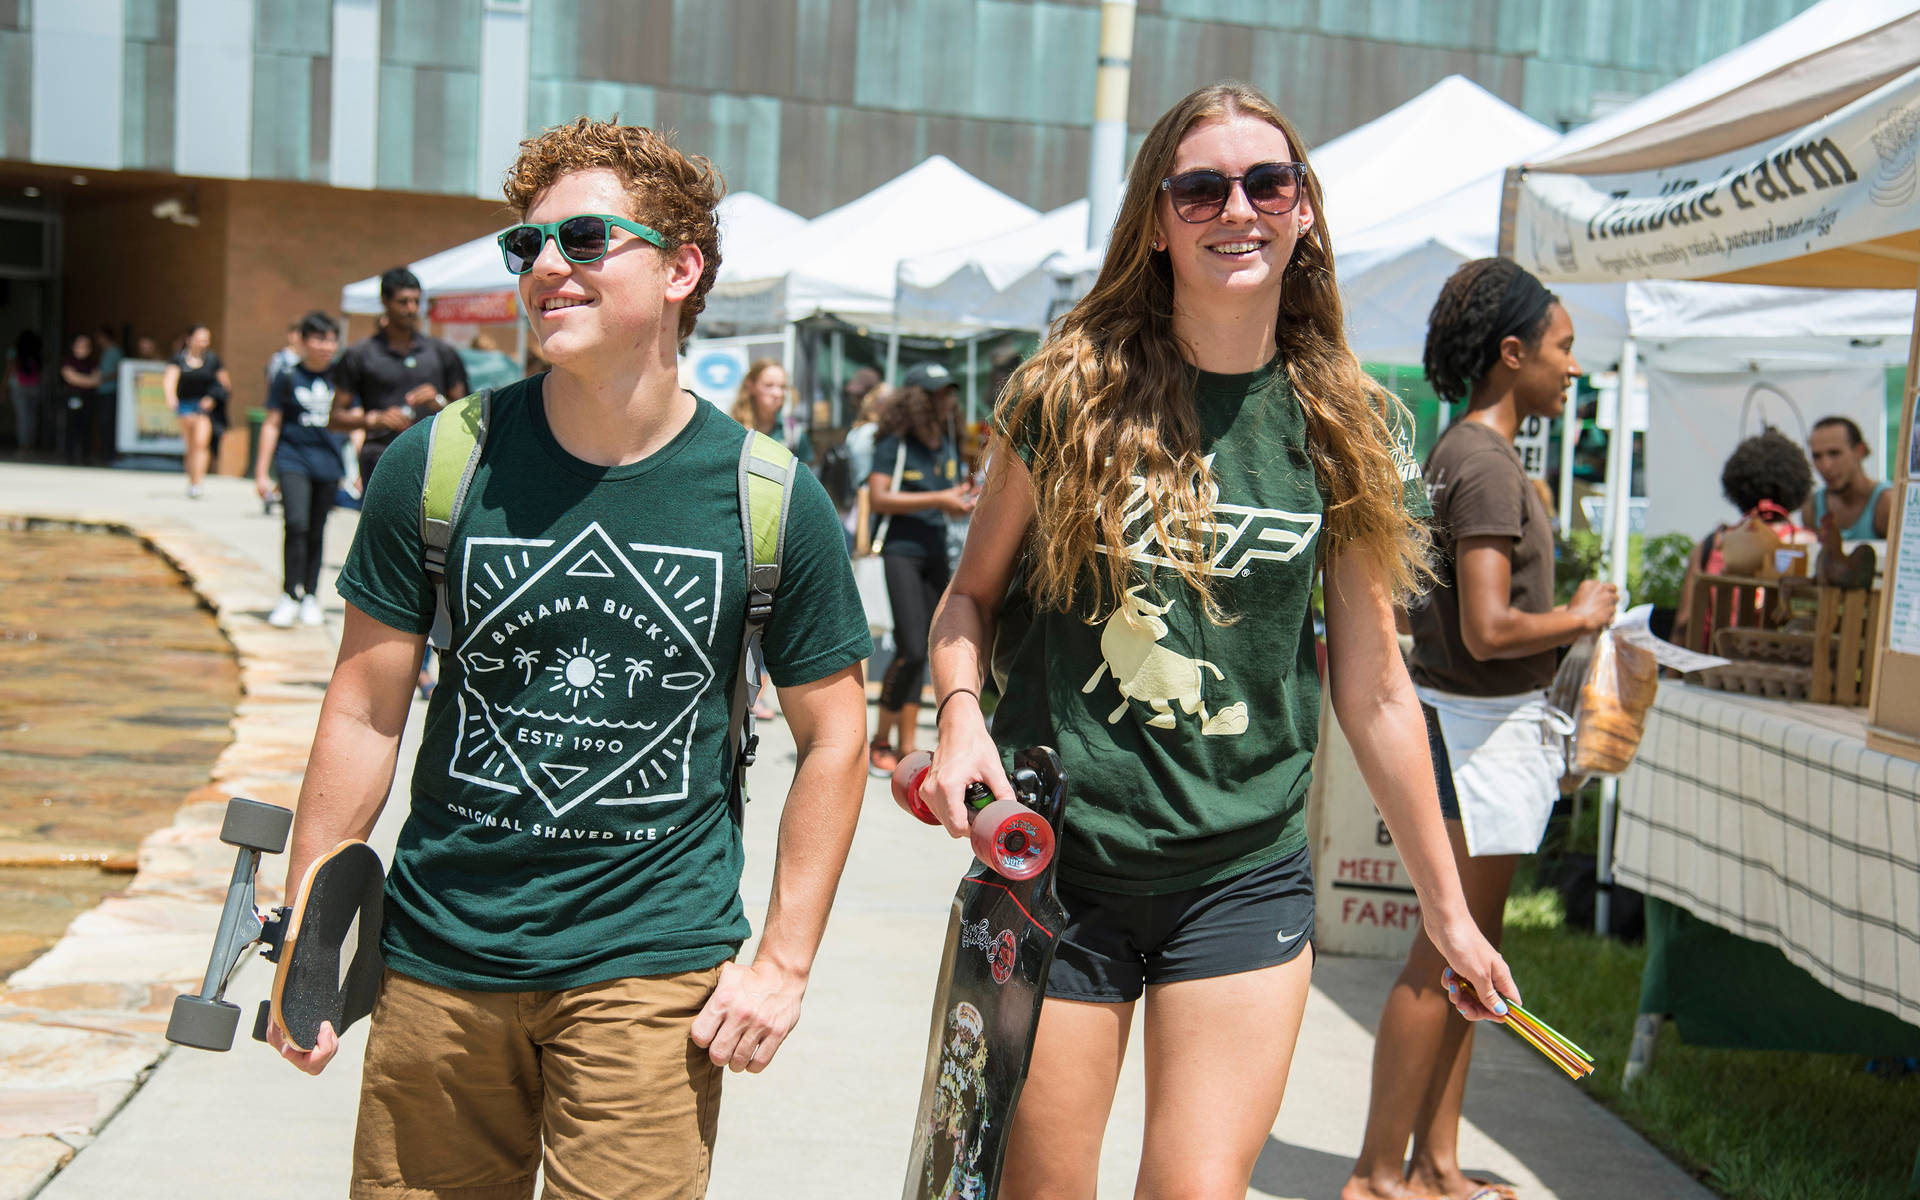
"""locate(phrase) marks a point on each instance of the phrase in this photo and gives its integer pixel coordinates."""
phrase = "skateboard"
(993, 975)
(325, 947)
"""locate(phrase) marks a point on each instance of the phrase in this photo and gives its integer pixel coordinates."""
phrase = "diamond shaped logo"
(585, 662)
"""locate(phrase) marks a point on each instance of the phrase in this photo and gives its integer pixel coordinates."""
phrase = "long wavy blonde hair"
(1109, 396)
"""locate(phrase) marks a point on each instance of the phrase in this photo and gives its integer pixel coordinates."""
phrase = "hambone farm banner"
(1848, 178)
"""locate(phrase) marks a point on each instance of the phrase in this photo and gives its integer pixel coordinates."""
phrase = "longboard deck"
(1001, 937)
(330, 964)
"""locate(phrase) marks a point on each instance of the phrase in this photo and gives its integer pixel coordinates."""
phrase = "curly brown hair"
(669, 191)
(1109, 396)
(1462, 341)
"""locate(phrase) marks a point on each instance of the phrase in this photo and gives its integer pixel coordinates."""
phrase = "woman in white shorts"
(1485, 642)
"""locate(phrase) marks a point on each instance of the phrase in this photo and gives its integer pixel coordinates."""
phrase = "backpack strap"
(766, 494)
(454, 443)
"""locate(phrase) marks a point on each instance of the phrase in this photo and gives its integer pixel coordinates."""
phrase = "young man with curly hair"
(563, 909)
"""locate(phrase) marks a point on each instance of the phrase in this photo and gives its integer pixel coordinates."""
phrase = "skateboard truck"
(1007, 835)
(207, 1021)
(325, 946)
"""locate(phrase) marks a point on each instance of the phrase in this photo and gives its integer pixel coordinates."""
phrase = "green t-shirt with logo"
(1188, 746)
(569, 819)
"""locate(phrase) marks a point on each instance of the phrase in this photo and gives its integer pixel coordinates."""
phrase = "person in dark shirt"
(295, 441)
(915, 486)
(384, 383)
(196, 383)
(80, 380)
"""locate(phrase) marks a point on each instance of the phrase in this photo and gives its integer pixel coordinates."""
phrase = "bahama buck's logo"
(584, 666)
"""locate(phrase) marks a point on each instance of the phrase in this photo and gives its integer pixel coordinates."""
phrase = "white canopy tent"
(1446, 137)
(999, 282)
(843, 262)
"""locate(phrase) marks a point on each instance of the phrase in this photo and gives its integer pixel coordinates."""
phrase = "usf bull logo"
(1239, 534)
(1155, 676)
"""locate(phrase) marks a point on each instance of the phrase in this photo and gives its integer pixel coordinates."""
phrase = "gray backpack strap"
(766, 493)
(454, 443)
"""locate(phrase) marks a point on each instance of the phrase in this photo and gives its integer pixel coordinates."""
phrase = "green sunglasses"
(583, 239)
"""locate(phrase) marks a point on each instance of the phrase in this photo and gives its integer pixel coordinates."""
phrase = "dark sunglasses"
(583, 239)
(1200, 196)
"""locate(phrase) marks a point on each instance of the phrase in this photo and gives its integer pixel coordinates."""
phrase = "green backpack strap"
(454, 443)
(766, 492)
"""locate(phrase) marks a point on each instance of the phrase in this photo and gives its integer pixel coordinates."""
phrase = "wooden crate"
(1845, 625)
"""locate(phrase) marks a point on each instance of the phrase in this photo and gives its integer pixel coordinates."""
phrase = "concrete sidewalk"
(832, 1117)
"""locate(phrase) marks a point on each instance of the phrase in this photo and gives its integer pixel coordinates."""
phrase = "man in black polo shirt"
(386, 382)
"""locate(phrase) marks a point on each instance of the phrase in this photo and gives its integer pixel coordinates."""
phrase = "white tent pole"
(1620, 471)
(973, 377)
(1569, 438)
(893, 357)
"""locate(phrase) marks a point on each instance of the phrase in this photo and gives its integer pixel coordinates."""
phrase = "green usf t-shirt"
(569, 821)
(1188, 745)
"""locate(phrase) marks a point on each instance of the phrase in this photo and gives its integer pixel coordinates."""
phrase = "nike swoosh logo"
(1283, 937)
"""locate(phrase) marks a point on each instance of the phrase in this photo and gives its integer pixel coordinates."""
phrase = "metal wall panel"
(78, 52)
(622, 41)
(740, 134)
(353, 109)
(213, 88)
(293, 27)
(431, 33)
(1029, 62)
(555, 102)
(290, 111)
(16, 94)
(13, 15)
(825, 50)
(504, 55)
(152, 20)
(428, 139)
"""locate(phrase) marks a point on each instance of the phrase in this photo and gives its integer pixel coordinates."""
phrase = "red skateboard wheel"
(906, 785)
(1012, 839)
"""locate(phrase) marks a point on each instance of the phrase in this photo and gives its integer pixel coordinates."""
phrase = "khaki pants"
(464, 1089)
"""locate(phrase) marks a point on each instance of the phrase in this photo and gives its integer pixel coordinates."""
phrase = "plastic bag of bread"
(1610, 708)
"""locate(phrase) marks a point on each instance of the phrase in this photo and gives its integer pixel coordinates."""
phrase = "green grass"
(1750, 1125)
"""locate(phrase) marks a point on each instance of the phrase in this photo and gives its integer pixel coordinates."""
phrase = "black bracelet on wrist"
(938, 708)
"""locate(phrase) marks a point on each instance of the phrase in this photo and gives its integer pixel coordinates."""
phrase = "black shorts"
(1442, 765)
(1114, 944)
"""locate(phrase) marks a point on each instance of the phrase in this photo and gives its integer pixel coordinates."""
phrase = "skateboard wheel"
(202, 1023)
(252, 825)
(906, 785)
(1012, 839)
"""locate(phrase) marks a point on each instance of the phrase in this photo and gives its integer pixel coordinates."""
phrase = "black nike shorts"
(1114, 944)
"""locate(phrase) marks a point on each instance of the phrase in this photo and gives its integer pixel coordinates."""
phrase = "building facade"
(235, 162)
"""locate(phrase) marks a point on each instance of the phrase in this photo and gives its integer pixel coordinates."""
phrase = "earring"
(1158, 245)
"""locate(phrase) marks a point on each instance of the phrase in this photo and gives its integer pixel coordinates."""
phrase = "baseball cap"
(931, 376)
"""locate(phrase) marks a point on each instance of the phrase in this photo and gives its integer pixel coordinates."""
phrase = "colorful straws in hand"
(1577, 1063)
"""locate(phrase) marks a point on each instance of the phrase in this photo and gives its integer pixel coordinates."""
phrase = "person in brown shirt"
(1485, 639)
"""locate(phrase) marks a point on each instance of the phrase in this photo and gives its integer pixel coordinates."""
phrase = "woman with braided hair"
(1192, 445)
(1485, 643)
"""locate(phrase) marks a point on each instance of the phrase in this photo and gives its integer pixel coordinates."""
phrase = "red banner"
(480, 308)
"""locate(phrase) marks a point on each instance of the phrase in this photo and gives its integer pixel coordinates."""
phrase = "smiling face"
(1240, 254)
(614, 307)
(1543, 372)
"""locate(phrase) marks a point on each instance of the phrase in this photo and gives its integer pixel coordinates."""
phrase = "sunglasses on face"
(1273, 188)
(582, 239)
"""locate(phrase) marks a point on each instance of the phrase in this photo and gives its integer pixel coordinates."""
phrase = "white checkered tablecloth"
(1774, 821)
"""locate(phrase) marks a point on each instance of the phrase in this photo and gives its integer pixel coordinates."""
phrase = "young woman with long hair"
(1189, 448)
(757, 405)
(1485, 642)
(195, 382)
(916, 484)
